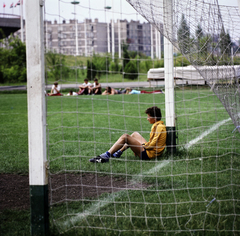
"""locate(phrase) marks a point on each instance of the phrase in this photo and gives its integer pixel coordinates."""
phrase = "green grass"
(109, 78)
(13, 134)
(180, 188)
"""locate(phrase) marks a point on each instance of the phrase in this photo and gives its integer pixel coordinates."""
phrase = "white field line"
(110, 199)
(207, 132)
(91, 210)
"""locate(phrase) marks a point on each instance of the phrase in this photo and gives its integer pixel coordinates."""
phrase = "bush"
(181, 61)
(159, 63)
(13, 61)
(131, 71)
(91, 70)
(100, 64)
(56, 68)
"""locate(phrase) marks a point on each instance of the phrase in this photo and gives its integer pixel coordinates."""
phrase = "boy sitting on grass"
(143, 149)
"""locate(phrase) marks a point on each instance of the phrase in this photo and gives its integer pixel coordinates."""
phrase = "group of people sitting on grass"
(145, 150)
(96, 89)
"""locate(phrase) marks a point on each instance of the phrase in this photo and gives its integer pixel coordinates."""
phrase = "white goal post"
(38, 178)
(169, 78)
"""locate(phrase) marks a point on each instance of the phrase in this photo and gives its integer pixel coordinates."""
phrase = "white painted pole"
(159, 47)
(108, 30)
(38, 178)
(46, 35)
(156, 43)
(151, 28)
(76, 25)
(113, 39)
(76, 31)
(21, 5)
(119, 40)
(169, 75)
(85, 29)
(108, 37)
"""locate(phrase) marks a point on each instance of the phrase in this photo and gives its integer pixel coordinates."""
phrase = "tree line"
(13, 60)
(198, 47)
(216, 48)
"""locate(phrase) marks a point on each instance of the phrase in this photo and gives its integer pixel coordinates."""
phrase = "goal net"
(194, 191)
(206, 34)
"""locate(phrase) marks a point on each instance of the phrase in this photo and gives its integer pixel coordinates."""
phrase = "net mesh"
(204, 32)
(193, 192)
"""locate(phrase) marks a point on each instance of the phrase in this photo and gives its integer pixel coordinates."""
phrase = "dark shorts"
(144, 155)
(99, 91)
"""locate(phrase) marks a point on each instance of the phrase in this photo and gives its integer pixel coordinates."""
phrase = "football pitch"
(194, 191)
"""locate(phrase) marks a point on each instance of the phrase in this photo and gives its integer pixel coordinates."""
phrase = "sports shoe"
(117, 154)
(100, 159)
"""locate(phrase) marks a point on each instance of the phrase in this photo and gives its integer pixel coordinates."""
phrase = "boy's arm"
(97, 86)
(153, 143)
(56, 89)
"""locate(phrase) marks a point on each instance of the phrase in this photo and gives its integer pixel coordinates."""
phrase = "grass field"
(178, 190)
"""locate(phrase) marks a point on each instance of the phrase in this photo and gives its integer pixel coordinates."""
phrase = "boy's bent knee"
(125, 136)
(135, 134)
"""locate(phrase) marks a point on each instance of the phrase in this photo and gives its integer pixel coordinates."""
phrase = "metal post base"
(171, 140)
(39, 210)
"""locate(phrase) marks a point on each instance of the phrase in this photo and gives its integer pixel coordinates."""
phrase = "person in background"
(133, 91)
(112, 91)
(55, 91)
(85, 88)
(143, 149)
(97, 88)
(71, 93)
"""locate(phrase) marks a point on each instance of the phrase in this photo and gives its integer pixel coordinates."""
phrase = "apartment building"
(99, 37)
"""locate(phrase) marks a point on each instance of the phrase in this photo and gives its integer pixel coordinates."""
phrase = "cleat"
(117, 154)
(99, 159)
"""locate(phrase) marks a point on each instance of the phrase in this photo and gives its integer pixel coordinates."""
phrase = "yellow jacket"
(157, 142)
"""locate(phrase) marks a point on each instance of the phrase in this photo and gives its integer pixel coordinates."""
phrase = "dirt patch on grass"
(14, 189)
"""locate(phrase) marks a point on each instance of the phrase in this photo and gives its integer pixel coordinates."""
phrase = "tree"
(131, 71)
(205, 44)
(56, 67)
(183, 35)
(199, 35)
(100, 64)
(13, 60)
(126, 56)
(91, 70)
(225, 43)
(199, 32)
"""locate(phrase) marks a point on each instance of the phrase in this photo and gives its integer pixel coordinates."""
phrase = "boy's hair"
(95, 79)
(85, 79)
(154, 112)
(109, 89)
(55, 83)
